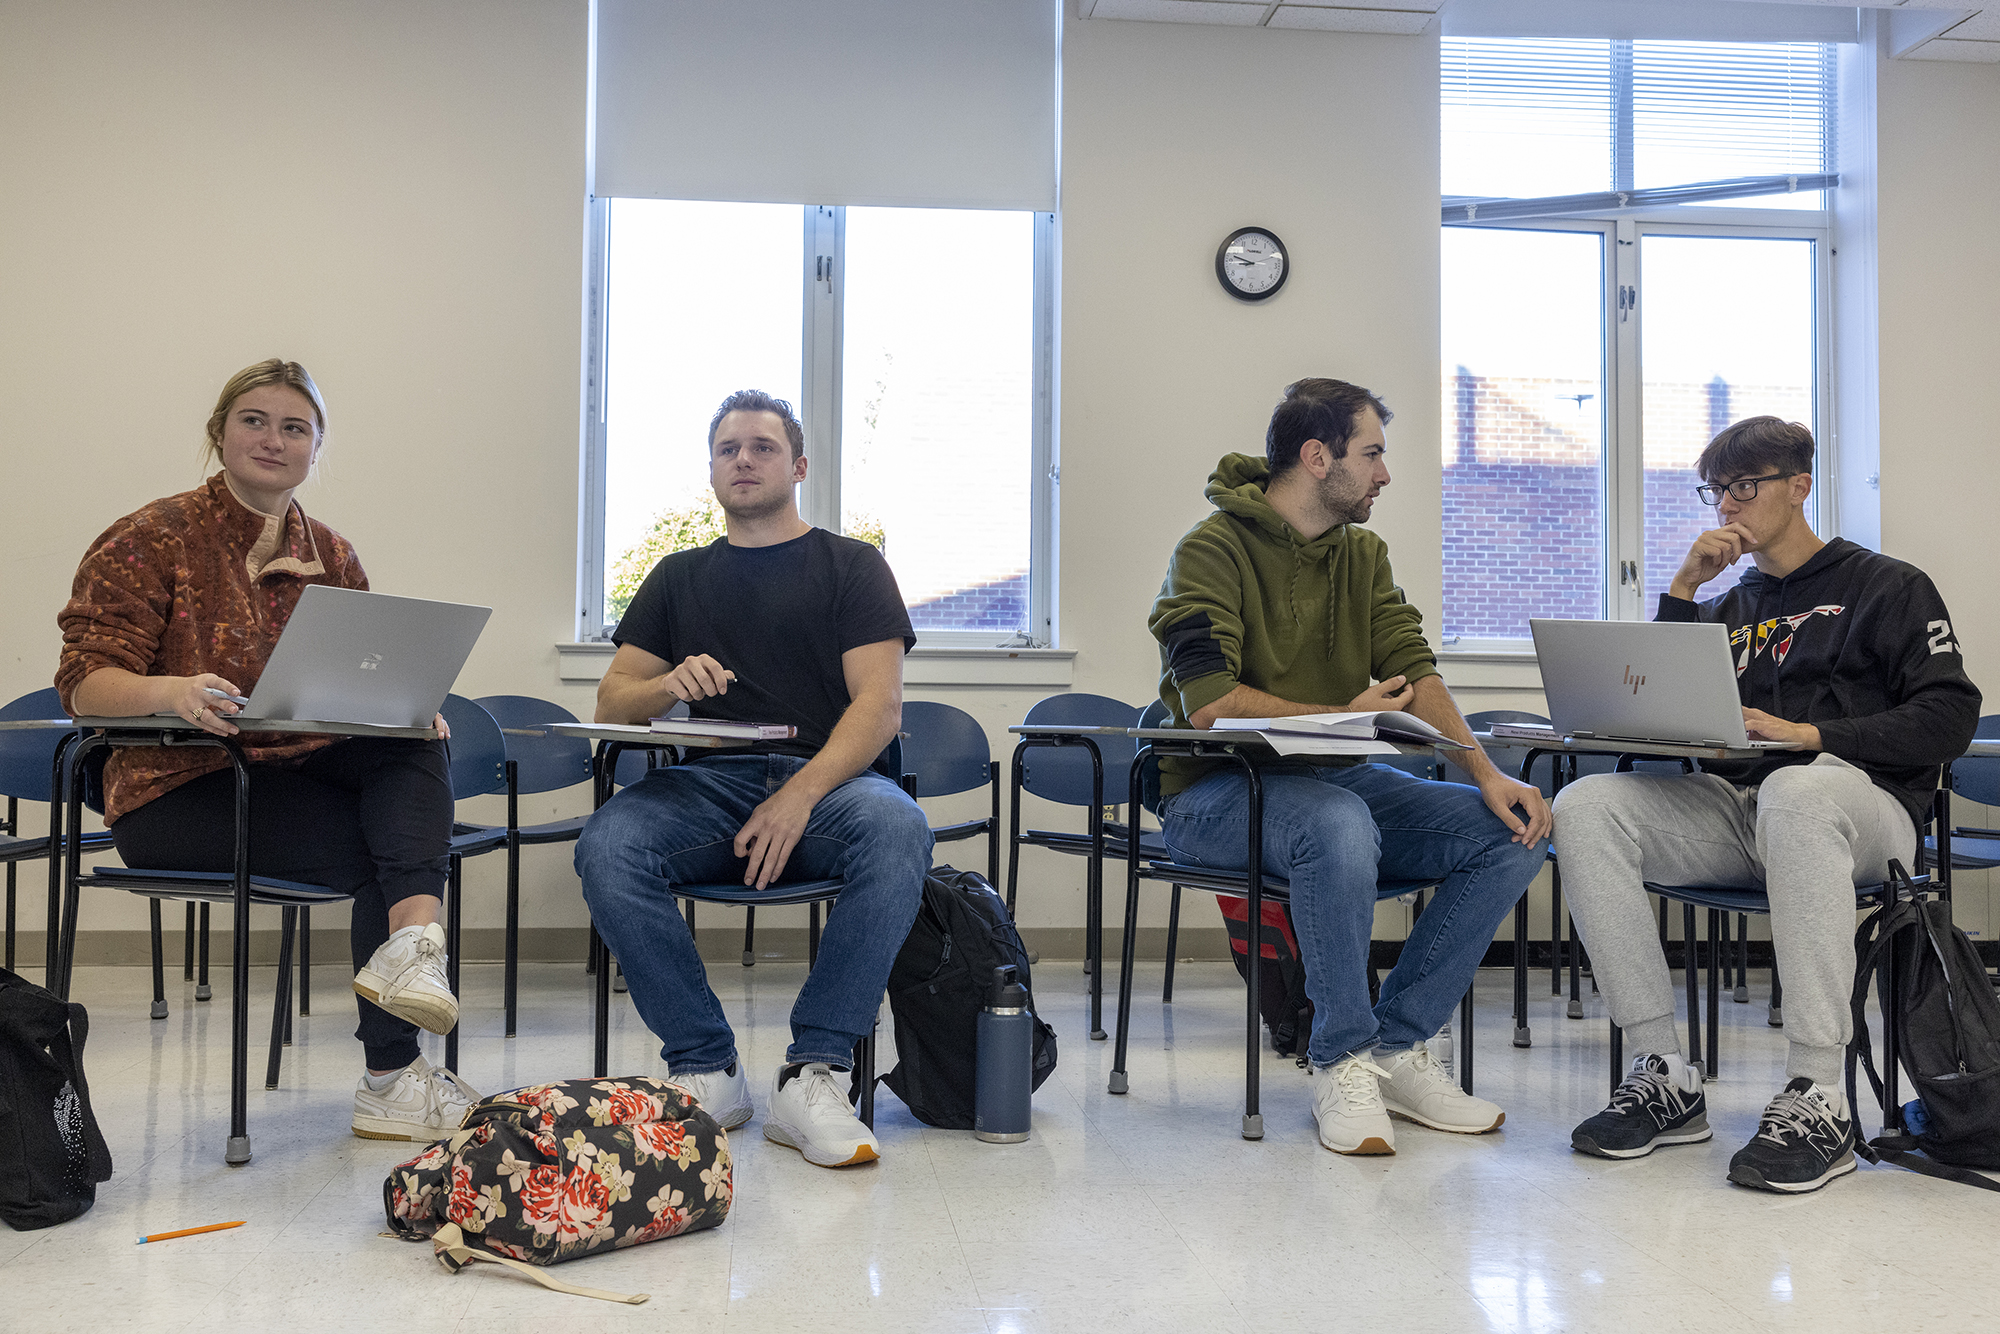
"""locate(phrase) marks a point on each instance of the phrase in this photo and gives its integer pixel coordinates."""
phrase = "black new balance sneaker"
(1802, 1143)
(1648, 1109)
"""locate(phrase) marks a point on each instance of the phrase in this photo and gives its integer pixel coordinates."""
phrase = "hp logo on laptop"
(1634, 681)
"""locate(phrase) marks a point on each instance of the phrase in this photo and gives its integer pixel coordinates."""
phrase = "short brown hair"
(1755, 444)
(1316, 409)
(756, 400)
(275, 371)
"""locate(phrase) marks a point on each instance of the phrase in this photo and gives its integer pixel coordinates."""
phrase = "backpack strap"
(452, 1251)
(67, 1047)
(1871, 939)
(1896, 1149)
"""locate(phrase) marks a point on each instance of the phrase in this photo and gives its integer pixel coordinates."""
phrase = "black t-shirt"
(779, 617)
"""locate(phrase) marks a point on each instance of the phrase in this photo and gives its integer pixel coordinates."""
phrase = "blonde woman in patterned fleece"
(186, 597)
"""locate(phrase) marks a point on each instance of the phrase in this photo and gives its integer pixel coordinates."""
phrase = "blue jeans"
(1334, 833)
(676, 826)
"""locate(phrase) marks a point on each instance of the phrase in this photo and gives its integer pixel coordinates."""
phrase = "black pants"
(366, 816)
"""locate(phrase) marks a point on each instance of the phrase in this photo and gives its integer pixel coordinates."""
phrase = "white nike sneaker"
(424, 1102)
(1347, 1103)
(406, 977)
(723, 1094)
(809, 1111)
(1416, 1087)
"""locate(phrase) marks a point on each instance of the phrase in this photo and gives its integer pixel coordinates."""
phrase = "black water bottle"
(1005, 1083)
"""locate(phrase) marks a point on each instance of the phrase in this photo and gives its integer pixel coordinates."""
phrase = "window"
(914, 343)
(1634, 257)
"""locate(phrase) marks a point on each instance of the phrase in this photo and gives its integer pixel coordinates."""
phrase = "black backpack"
(51, 1154)
(1945, 1021)
(937, 988)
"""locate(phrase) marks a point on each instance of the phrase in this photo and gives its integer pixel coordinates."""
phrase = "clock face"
(1252, 264)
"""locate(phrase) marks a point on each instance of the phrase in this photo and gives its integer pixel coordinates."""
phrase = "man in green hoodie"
(1280, 604)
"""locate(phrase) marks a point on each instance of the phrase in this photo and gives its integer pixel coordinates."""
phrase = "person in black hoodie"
(1850, 656)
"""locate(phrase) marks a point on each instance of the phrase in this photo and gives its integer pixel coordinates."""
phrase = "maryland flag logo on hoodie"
(1775, 634)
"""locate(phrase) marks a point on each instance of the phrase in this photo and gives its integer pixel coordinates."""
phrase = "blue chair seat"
(1969, 852)
(1232, 884)
(471, 840)
(211, 886)
(776, 896)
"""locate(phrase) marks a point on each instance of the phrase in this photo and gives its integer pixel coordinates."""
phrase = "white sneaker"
(809, 1112)
(1347, 1103)
(424, 1102)
(406, 977)
(723, 1094)
(1416, 1087)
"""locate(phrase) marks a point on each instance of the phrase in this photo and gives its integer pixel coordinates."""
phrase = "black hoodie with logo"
(1860, 645)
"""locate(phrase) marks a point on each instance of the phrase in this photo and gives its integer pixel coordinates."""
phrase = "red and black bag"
(1287, 1011)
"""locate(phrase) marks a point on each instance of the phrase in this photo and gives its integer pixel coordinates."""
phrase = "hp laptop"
(1642, 681)
(352, 657)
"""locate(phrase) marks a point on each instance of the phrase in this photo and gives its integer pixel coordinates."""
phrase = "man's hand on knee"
(772, 831)
(1503, 795)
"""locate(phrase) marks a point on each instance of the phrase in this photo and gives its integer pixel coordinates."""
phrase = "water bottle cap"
(1006, 991)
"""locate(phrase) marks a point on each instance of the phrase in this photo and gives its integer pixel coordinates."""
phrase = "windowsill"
(582, 664)
(1494, 668)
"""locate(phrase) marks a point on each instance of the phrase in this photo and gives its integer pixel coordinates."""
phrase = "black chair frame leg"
(1173, 946)
(159, 960)
(202, 991)
(511, 980)
(1093, 876)
(749, 934)
(305, 961)
(187, 945)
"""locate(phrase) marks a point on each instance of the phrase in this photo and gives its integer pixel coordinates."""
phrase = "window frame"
(1622, 466)
(822, 306)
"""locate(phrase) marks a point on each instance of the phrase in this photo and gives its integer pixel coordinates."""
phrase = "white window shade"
(1526, 117)
(1713, 110)
(888, 102)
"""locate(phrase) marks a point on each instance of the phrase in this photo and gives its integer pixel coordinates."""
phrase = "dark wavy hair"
(1318, 409)
(1755, 445)
(756, 400)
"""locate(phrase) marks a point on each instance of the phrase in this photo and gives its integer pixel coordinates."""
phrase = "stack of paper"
(1341, 733)
(720, 727)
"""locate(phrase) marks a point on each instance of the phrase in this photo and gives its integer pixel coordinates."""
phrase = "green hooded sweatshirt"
(1247, 602)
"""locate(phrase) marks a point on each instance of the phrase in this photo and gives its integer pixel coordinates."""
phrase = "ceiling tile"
(1982, 27)
(1985, 53)
(1326, 19)
(1181, 11)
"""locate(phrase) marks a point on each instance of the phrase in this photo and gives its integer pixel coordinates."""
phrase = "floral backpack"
(557, 1171)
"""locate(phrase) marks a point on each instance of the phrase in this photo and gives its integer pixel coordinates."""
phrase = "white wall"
(1939, 161)
(390, 193)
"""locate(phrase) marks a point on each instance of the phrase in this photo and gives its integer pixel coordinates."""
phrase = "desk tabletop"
(1984, 750)
(1067, 729)
(290, 726)
(1237, 737)
(1570, 745)
(634, 734)
(36, 725)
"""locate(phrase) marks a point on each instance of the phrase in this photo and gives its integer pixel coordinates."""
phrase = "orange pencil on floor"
(189, 1231)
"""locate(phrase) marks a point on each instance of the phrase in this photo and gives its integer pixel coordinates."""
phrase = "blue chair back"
(1155, 714)
(1975, 779)
(1062, 774)
(478, 751)
(945, 748)
(26, 756)
(543, 763)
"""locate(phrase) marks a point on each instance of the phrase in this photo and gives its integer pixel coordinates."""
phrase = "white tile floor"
(1145, 1212)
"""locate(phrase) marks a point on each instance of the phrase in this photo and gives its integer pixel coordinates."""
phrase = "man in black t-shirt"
(778, 622)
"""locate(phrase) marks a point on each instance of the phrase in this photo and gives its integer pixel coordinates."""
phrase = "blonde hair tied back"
(274, 371)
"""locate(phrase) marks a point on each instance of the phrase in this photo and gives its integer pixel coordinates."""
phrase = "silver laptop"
(352, 657)
(1667, 681)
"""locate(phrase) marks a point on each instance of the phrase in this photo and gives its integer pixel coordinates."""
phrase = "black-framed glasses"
(1743, 488)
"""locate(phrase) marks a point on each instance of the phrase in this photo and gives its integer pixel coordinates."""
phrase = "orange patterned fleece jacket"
(197, 582)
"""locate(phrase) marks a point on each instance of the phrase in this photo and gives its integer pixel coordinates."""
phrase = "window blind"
(892, 102)
(1528, 118)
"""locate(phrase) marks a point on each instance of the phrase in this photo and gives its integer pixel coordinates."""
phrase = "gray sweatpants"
(1808, 835)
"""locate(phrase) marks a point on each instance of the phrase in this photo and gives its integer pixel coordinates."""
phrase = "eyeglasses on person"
(1743, 488)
